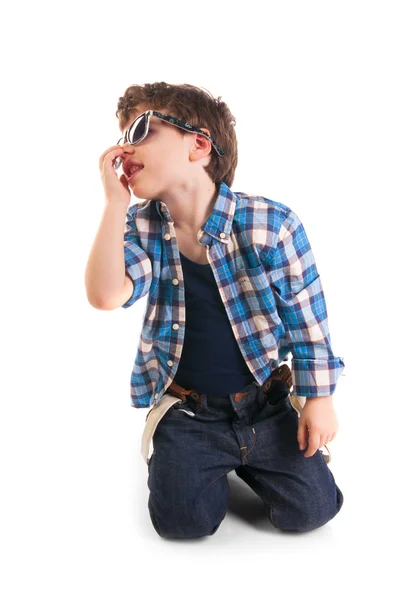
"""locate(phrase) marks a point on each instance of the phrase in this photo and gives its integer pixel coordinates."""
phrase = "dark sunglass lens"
(139, 130)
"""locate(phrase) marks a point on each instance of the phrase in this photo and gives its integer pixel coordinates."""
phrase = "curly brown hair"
(196, 106)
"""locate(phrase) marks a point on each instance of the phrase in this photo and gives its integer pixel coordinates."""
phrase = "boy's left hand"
(317, 424)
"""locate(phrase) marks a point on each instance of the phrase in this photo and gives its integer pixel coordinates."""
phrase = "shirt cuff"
(316, 377)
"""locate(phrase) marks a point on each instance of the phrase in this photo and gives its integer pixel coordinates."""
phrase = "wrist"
(322, 398)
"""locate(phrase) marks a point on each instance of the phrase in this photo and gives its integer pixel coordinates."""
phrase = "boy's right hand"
(116, 190)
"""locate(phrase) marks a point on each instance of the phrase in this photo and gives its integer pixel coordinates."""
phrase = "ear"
(201, 144)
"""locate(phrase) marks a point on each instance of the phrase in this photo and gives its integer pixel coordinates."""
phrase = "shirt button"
(167, 236)
(222, 235)
(175, 281)
(156, 395)
(176, 326)
(170, 363)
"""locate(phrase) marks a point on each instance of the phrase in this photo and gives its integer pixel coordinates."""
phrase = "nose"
(127, 150)
(127, 153)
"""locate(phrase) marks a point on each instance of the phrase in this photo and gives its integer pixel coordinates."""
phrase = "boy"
(232, 288)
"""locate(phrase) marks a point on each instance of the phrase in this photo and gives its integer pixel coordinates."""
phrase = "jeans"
(199, 441)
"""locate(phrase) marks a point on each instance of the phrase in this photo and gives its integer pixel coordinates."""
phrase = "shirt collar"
(221, 218)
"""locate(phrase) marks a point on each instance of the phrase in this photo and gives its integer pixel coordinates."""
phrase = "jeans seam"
(255, 441)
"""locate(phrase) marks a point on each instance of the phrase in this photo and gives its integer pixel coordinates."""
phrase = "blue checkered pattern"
(268, 281)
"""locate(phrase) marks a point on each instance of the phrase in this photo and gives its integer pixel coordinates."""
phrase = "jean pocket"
(187, 406)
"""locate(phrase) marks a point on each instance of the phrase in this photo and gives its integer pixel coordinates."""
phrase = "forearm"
(105, 271)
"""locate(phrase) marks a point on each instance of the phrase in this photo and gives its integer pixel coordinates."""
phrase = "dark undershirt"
(211, 360)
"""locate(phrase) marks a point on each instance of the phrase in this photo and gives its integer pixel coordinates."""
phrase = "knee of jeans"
(299, 523)
(179, 532)
(180, 529)
(293, 519)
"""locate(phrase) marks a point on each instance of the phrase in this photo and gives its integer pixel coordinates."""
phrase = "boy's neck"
(189, 219)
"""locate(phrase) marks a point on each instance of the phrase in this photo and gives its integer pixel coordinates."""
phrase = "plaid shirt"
(268, 281)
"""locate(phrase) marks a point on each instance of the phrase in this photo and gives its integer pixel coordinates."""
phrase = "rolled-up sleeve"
(138, 265)
(301, 305)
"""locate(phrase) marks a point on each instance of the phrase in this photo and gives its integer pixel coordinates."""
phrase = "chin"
(141, 192)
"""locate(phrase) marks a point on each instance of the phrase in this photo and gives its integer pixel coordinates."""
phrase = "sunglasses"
(138, 131)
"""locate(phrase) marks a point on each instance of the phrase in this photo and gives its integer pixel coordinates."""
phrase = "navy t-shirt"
(211, 360)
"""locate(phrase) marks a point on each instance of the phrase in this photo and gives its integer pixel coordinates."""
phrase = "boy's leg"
(187, 476)
(300, 492)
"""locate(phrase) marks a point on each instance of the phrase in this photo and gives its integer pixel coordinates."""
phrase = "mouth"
(134, 174)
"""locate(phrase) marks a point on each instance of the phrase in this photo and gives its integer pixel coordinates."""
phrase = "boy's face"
(165, 155)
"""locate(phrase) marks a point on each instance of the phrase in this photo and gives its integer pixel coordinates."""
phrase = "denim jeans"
(199, 441)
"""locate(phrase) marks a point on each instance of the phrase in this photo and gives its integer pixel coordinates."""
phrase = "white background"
(320, 81)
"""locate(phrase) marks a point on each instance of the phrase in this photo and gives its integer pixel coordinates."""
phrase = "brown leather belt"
(282, 373)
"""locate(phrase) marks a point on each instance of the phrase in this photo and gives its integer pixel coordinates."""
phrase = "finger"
(112, 152)
(303, 445)
(313, 445)
(302, 434)
(109, 150)
(323, 440)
